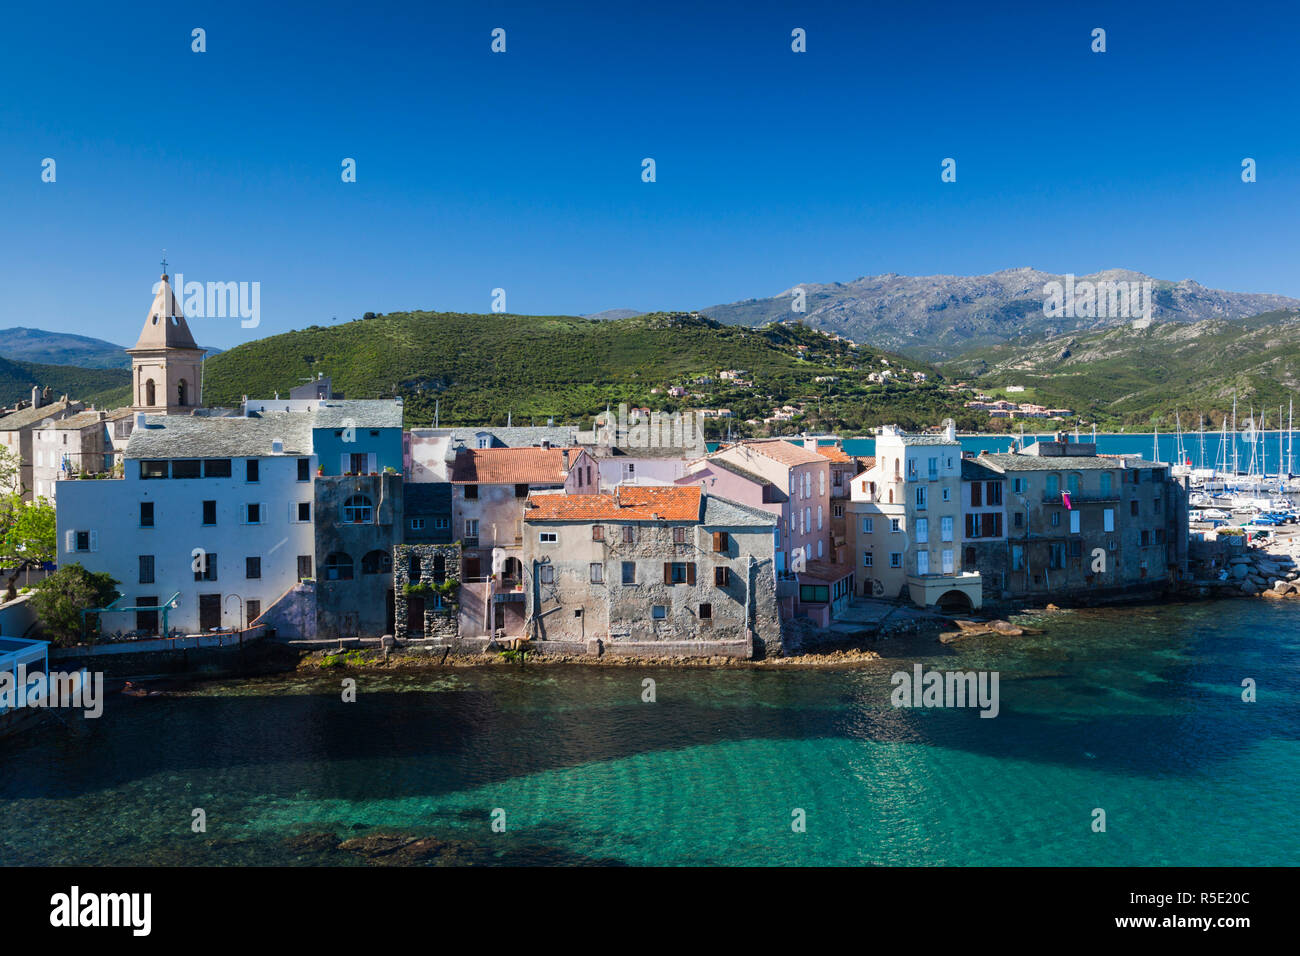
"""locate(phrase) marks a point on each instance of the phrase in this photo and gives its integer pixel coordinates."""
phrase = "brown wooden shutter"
(668, 572)
(690, 573)
(718, 544)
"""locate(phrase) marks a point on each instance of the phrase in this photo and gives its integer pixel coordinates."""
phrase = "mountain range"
(939, 317)
(65, 348)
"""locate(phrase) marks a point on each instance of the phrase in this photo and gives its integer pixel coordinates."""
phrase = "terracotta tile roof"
(629, 503)
(778, 449)
(827, 571)
(511, 466)
(835, 454)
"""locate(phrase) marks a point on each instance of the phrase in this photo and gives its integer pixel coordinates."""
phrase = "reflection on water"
(1136, 711)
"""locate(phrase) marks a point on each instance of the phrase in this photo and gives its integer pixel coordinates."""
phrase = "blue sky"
(523, 170)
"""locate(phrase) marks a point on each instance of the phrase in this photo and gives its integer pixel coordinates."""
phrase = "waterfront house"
(1083, 523)
(903, 521)
(651, 570)
(984, 520)
(17, 436)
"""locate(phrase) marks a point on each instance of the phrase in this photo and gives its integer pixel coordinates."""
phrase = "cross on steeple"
(164, 262)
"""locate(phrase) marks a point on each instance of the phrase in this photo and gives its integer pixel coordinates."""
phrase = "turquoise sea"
(1136, 711)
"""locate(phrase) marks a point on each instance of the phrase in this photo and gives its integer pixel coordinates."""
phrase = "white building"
(213, 514)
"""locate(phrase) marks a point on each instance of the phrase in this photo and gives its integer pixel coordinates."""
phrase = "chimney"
(139, 419)
(565, 453)
(36, 396)
(950, 431)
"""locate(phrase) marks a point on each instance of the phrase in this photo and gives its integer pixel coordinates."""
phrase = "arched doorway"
(180, 393)
(955, 601)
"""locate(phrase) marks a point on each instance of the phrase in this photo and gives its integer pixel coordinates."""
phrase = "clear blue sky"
(523, 171)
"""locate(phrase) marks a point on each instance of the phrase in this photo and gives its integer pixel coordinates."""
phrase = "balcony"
(1083, 497)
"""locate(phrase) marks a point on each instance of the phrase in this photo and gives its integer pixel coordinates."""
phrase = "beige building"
(17, 431)
(904, 522)
(71, 447)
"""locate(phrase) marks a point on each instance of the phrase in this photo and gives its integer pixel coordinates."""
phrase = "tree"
(59, 600)
(27, 538)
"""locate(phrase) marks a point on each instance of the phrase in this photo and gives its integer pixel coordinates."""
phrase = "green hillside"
(480, 368)
(101, 386)
(1139, 377)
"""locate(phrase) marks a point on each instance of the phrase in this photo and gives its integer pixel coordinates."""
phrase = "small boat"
(133, 690)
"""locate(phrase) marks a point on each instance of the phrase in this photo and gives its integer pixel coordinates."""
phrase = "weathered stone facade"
(358, 519)
(433, 564)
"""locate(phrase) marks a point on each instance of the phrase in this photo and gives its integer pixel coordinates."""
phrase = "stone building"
(1079, 523)
(17, 434)
(166, 363)
(426, 584)
(78, 445)
(653, 570)
(358, 521)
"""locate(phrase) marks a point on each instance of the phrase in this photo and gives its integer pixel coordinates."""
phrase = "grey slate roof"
(972, 470)
(517, 436)
(426, 497)
(359, 413)
(734, 514)
(1006, 461)
(31, 416)
(195, 436)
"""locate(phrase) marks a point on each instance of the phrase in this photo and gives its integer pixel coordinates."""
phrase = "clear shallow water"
(1137, 711)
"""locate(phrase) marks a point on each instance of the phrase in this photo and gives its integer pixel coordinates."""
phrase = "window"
(471, 492)
(837, 511)
(216, 468)
(922, 530)
(598, 532)
(209, 512)
(153, 469)
(629, 534)
(471, 529)
(252, 567)
(1056, 555)
(484, 441)
(1020, 485)
(706, 612)
(868, 525)
(819, 517)
(868, 559)
(1146, 537)
(894, 525)
(1074, 522)
(1056, 519)
(417, 524)
(441, 524)
(821, 483)
(629, 572)
(377, 562)
(994, 492)
(304, 511)
(945, 528)
(814, 594)
(721, 577)
(970, 557)
(895, 559)
(921, 497)
(414, 570)
(1105, 484)
(146, 514)
(947, 561)
(1053, 486)
(932, 468)
(679, 572)
(185, 469)
(923, 562)
(596, 573)
(254, 609)
(947, 494)
(357, 462)
(548, 537)
(338, 567)
(439, 568)
(721, 542)
(358, 509)
(304, 469)
(679, 535)
(658, 612)
(304, 566)
(1155, 504)
(1133, 507)
(207, 562)
(1073, 482)
(972, 526)
(146, 569)
(546, 574)
(254, 513)
(1017, 557)
(521, 490)
(1019, 521)
(253, 470)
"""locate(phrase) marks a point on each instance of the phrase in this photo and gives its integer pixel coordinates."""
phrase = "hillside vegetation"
(1139, 377)
(481, 368)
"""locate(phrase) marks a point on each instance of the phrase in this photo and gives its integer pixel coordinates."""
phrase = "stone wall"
(439, 624)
